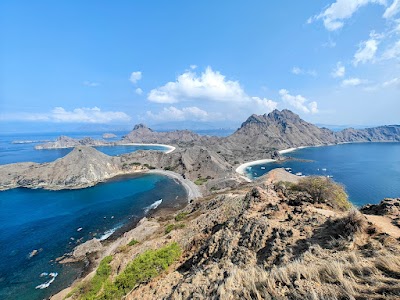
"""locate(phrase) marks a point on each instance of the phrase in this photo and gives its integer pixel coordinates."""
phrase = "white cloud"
(337, 12)
(339, 70)
(392, 10)
(264, 105)
(392, 52)
(91, 84)
(172, 113)
(193, 67)
(135, 77)
(367, 50)
(77, 115)
(139, 91)
(299, 102)
(299, 71)
(354, 81)
(393, 82)
(210, 85)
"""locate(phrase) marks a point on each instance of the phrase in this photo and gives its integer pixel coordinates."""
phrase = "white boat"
(323, 169)
(288, 169)
(299, 174)
(262, 168)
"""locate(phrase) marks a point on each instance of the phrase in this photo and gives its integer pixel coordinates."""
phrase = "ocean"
(52, 223)
(369, 172)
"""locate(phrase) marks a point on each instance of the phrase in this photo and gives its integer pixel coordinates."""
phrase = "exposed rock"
(67, 142)
(388, 207)
(82, 251)
(109, 136)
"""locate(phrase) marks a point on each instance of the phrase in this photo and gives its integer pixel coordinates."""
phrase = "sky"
(212, 62)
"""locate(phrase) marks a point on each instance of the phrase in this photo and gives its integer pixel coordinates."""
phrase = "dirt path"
(385, 224)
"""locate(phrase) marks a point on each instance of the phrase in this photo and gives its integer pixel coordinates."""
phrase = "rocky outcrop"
(67, 142)
(109, 135)
(82, 167)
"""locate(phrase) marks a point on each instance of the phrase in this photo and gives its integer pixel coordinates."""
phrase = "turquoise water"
(370, 172)
(48, 221)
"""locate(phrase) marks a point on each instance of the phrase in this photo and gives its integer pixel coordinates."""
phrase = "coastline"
(191, 188)
(169, 147)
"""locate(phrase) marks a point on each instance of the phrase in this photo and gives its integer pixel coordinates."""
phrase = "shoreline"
(169, 147)
(191, 188)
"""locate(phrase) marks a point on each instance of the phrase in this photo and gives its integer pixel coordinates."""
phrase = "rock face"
(82, 167)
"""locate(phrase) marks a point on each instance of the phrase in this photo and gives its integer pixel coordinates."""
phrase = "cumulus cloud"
(77, 115)
(210, 85)
(367, 49)
(139, 91)
(392, 10)
(263, 105)
(354, 81)
(392, 52)
(135, 77)
(299, 102)
(335, 14)
(172, 113)
(299, 71)
(91, 84)
(339, 71)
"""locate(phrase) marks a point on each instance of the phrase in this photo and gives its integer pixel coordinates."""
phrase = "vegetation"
(171, 227)
(168, 168)
(149, 167)
(144, 267)
(89, 290)
(200, 181)
(133, 242)
(323, 189)
(181, 216)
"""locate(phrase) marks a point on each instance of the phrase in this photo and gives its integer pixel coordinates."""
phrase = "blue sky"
(124, 62)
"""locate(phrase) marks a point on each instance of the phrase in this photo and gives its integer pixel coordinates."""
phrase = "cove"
(50, 222)
(370, 172)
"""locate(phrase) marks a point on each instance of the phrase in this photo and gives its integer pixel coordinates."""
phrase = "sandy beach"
(242, 168)
(192, 189)
(170, 148)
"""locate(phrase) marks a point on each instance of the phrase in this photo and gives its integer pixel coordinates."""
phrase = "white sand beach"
(169, 147)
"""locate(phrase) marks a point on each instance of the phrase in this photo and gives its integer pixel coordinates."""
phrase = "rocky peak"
(141, 126)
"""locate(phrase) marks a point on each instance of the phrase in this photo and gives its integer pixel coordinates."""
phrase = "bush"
(323, 189)
(171, 227)
(133, 242)
(200, 181)
(89, 290)
(181, 216)
(144, 267)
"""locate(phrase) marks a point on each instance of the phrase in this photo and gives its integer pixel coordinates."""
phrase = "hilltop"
(264, 240)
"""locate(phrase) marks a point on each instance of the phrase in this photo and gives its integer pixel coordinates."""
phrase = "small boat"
(262, 168)
(79, 229)
(329, 176)
(323, 169)
(288, 169)
(299, 174)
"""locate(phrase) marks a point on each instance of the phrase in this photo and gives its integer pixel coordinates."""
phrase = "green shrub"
(181, 216)
(171, 227)
(133, 242)
(89, 290)
(323, 189)
(200, 181)
(144, 267)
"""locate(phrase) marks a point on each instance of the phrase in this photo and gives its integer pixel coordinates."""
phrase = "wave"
(47, 283)
(153, 206)
(108, 233)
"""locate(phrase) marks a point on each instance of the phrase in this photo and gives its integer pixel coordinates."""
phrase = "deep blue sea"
(370, 172)
(54, 222)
